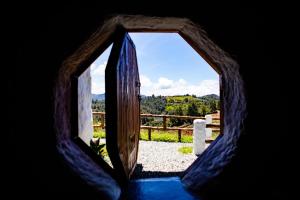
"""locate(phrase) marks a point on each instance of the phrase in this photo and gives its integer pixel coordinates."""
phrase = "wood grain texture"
(123, 106)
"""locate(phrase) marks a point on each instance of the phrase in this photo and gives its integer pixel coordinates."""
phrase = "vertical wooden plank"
(179, 135)
(102, 121)
(165, 122)
(122, 87)
(149, 134)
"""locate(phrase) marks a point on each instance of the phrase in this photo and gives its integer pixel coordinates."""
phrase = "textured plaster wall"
(85, 117)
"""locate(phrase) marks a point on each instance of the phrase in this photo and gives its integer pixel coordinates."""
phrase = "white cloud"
(209, 87)
(145, 81)
(166, 87)
(164, 83)
(98, 87)
(97, 75)
(163, 86)
(182, 81)
(98, 70)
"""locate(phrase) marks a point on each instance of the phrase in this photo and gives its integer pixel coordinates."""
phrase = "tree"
(204, 110)
(213, 106)
(178, 111)
(192, 110)
(218, 105)
(171, 101)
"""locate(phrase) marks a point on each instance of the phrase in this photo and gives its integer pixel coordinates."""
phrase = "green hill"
(171, 105)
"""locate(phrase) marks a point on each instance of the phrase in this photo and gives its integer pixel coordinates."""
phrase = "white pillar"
(199, 136)
(208, 131)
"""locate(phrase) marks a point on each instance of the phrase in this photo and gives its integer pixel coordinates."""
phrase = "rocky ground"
(161, 159)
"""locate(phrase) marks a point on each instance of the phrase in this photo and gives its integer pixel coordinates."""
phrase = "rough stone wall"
(42, 36)
(219, 154)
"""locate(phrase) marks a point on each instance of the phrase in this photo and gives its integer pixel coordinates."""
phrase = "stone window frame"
(233, 102)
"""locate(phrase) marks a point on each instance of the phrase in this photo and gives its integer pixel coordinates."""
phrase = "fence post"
(179, 135)
(199, 136)
(149, 134)
(165, 122)
(102, 121)
(208, 131)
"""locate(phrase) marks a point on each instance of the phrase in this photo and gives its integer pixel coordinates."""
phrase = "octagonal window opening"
(177, 87)
(79, 156)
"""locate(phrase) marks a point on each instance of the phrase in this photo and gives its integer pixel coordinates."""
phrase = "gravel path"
(157, 159)
(164, 156)
(161, 159)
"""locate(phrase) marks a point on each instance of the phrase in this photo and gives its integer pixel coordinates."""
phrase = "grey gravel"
(163, 156)
(161, 159)
(158, 159)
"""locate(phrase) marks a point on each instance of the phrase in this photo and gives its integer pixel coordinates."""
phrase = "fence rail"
(214, 126)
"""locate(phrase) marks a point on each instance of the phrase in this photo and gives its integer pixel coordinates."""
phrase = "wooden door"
(122, 101)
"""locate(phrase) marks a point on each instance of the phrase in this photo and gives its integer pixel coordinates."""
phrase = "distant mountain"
(99, 97)
(210, 97)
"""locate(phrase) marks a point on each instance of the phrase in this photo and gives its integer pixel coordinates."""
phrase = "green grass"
(100, 133)
(104, 152)
(161, 136)
(165, 136)
(215, 135)
(215, 121)
(185, 150)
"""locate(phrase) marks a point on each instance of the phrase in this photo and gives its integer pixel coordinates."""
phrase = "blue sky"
(167, 66)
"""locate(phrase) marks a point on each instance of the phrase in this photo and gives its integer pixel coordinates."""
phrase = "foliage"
(185, 150)
(175, 121)
(98, 105)
(99, 133)
(153, 104)
(181, 105)
(99, 149)
(192, 109)
(171, 105)
(152, 121)
(190, 105)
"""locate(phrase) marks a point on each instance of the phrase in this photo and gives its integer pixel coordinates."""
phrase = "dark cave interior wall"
(45, 36)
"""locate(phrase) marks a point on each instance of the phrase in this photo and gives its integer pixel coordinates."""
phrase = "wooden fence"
(214, 126)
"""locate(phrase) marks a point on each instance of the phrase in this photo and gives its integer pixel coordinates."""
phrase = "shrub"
(99, 149)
